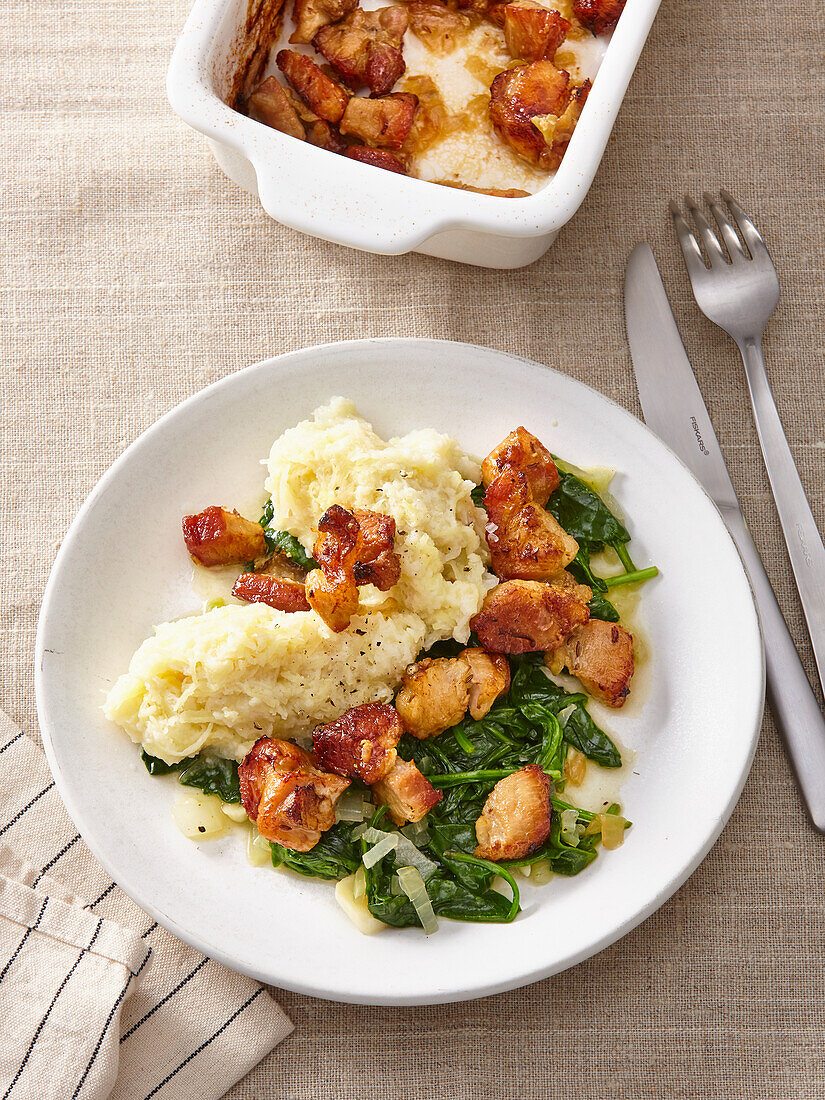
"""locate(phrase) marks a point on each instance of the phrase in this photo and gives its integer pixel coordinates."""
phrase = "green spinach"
(283, 542)
(213, 775)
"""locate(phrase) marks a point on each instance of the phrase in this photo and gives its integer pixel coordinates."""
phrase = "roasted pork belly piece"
(532, 32)
(519, 95)
(440, 28)
(326, 98)
(516, 817)
(365, 48)
(526, 541)
(434, 695)
(331, 589)
(406, 793)
(326, 136)
(217, 536)
(289, 798)
(599, 16)
(376, 562)
(489, 678)
(378, 158)
(522, 451)
(383, 121)
(601, 656)
(311, 15)
(285, 595)
(270, 105)
(361, 743)
(530, 617)
(557, 130)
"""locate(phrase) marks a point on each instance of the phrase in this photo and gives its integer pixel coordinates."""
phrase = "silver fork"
(739, 292)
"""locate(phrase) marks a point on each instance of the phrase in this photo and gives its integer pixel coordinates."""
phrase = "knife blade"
(674, 409)
(671, 400)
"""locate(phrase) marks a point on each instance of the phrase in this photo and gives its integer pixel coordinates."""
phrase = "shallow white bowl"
(340, 200)
(123, 568)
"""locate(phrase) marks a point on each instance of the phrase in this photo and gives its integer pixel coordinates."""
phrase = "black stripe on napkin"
(203, 1046)
(20, 813)
(163, 1001)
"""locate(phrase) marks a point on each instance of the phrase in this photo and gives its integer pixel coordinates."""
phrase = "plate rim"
(227, 957)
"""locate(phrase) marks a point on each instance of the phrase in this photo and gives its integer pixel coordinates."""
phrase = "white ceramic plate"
(123, 568)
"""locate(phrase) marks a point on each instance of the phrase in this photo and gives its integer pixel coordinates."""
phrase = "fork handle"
(802, 538)
(795, 708)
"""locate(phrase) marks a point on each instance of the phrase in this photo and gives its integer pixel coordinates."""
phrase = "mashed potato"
(423, 480)
(236, 673)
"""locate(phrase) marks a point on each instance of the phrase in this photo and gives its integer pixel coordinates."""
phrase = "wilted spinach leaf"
(477, 496)
(584, 515)
(156, 766)
(213, 775)
(335, 856)
(283, 542)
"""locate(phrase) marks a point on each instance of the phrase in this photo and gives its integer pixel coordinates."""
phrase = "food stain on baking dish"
(471, 94)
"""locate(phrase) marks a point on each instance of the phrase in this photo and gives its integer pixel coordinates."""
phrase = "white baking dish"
(344, 201)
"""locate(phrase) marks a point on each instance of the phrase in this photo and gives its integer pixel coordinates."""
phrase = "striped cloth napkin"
(96, 999)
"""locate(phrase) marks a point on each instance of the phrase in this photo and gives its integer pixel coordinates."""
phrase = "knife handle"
(793, 702)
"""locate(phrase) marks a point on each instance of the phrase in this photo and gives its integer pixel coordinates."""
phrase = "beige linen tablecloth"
(133, 273)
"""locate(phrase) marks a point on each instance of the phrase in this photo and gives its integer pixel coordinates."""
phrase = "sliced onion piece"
(350, 807)
(381, 849)
(613, 828)
(234, 812)
(356, 908)
(413, 886)
(407, 854)
(359, 883)
(258, 851)
(542, 872)
(569, 834)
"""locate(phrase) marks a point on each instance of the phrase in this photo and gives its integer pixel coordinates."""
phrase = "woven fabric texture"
(134, 273)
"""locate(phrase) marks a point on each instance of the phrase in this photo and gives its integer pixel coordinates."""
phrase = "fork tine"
(690, 249)
(751, 235)
(706, 234)
(734, 245)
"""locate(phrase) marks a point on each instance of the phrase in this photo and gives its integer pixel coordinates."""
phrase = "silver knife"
(673, 408)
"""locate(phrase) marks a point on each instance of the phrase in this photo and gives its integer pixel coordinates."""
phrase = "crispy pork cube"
(496, 14)
(434, 695)
(270, 105)
(331, 589)
(439, 27)
(326, 98)
(601, 656)
(217, 536)
(326, 136)
(378, 158)
(285, 595)
(599, 16)
(365, 48)
(522, 451)
(376, 562)
(516, 817)
(384, 121)
(519, 95)
(489, 678)
(532, 32)
(311, 15)
(289, 798)
(557, 130)
(361, 743)
(526, 541)
(406, 792)
(530, 617)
